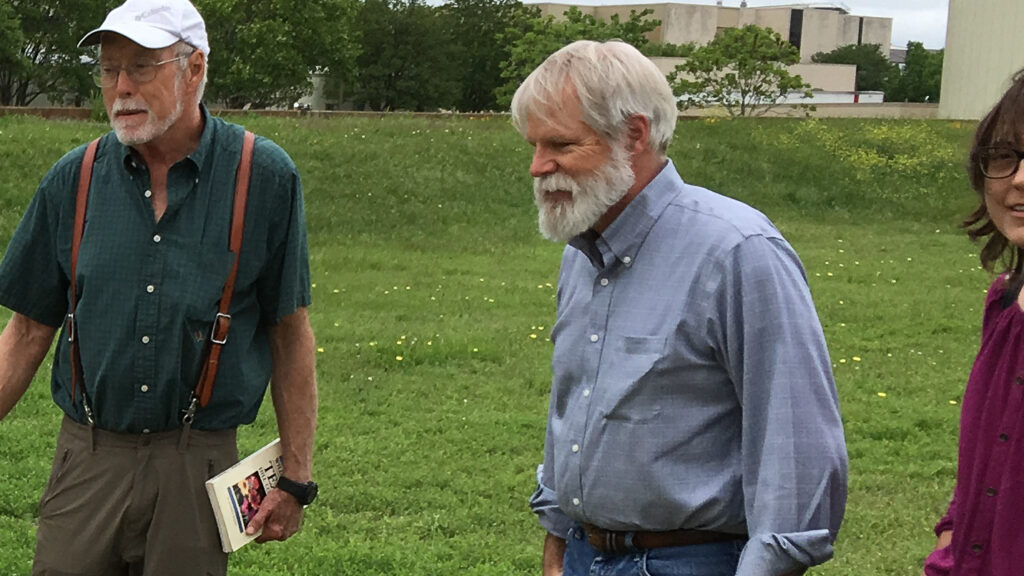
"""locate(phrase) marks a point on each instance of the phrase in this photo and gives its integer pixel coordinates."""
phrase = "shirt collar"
(132, 161)
(623, 237)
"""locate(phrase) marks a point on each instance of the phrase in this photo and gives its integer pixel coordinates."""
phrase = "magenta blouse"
(986, 514)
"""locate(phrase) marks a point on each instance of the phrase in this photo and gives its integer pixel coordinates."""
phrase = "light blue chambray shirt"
(692, 387)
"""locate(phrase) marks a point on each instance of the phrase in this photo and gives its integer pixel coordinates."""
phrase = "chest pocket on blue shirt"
(630, 375)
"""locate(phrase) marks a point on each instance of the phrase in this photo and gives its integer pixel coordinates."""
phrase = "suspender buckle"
(219, 331)
(71, 327)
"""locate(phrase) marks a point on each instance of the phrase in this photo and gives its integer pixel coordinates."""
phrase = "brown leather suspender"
(84, 179)
(219, 332)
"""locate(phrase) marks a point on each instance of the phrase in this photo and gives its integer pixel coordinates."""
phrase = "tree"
(39, 51)
(874, 70)
(409, 58)
(262, 52)
(743, 69)
(921, 77)
(668, 50)
(475, 25)
(537, 37)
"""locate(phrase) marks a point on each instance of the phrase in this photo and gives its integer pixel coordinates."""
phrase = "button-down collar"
(623, 238)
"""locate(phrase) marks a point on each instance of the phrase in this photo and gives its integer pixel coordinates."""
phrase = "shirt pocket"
(204, 286)
(632, 377)
(201, 293)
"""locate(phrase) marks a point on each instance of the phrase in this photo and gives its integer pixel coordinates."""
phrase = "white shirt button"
(144, 388)
(604, 281)
(147, 193)
(145, 339)
(150, 288)
(575, 447)
(156, 238)
(594, 337)
(575, 501)
(145, 430)
(586, 393)
(626, 260)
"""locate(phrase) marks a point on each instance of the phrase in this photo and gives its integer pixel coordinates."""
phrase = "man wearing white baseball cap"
(143, 267)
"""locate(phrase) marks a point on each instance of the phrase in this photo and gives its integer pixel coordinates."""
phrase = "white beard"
(592, 196)
(153, 127)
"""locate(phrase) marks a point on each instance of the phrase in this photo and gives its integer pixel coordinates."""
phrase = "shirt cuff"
(779, 554)
(944, 525)
(544, 503)
(939, 562)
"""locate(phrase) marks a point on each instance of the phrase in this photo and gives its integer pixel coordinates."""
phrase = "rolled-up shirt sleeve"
(544, 503)
(794, 460)
(940, 561)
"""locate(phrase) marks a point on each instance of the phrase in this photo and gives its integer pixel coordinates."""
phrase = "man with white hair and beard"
(693, 426)
(140, 269)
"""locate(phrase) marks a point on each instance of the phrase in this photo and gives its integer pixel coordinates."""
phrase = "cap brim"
(141, 34)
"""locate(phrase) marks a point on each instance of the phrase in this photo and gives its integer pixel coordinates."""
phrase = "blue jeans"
(715, 559)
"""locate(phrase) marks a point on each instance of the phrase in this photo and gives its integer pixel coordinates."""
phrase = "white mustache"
(128, 106)
(554, 182)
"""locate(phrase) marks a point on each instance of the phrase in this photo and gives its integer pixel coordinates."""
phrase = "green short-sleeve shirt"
(149, 290)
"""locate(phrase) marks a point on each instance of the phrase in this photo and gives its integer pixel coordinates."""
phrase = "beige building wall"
(821, 33)
(849, 29)
(775, 18)
(877, 31)
(826, 77)
(690, 23)
(983, 51)
(729, 17)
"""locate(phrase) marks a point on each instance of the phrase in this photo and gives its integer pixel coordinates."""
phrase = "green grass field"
(433, 299)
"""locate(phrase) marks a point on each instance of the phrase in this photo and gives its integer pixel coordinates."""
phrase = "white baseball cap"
(154, 24)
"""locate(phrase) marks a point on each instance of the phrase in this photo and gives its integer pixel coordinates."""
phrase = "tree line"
(467, 55)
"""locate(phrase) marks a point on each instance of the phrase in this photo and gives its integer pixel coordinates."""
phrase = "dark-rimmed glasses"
(999, 161)
(106, 75)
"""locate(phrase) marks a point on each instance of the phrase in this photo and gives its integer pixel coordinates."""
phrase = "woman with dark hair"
(980, 533)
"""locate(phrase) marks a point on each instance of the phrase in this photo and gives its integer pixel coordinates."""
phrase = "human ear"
(638, 133)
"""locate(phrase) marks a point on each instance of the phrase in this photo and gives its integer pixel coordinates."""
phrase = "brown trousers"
(134, 505)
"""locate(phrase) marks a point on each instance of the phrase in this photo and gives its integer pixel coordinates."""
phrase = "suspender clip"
(190, 412)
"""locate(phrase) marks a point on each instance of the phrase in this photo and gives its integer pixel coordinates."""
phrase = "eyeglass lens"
(999, 162)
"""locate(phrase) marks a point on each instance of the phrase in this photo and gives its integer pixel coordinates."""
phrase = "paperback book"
(237, 493)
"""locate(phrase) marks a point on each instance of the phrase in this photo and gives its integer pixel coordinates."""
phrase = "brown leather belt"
(611, 542)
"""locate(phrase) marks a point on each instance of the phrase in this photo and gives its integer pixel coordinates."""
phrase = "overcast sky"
(918, 20)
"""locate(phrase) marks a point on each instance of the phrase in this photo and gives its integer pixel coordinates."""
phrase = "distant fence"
(862, 110)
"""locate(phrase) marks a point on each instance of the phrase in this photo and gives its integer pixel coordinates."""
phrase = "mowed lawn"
(434, 297)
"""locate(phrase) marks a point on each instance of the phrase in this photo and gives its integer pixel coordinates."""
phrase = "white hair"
(612, 80)
(184, 49)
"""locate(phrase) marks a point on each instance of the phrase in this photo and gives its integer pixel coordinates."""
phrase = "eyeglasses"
(999, 161)
(106, 75)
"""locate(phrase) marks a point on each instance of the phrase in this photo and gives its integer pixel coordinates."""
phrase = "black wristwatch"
(305, 493)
